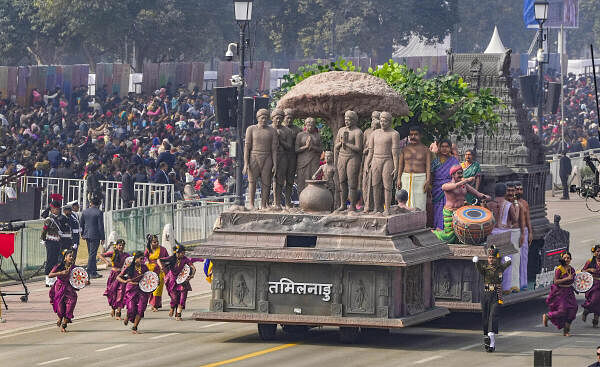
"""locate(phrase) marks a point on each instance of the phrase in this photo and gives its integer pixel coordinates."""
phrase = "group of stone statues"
(371, 162)
(280, 153)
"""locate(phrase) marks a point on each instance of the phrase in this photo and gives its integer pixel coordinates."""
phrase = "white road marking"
(425, 360)
(53, 361)
(467, 347)
(513, 333)
(588, 241)
(211, 325)
(85, 318)
(110, 348)
(163, 336)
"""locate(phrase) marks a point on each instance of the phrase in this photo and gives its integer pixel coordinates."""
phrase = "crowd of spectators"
(168, 137)
(580, 120)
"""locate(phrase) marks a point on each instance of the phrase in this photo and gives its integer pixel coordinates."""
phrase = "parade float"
(382, 268)
(310, 266)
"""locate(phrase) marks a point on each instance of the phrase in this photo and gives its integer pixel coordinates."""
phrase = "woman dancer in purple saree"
(63, 296)
(115, 290)
(440, 170)
(592, 297)
(178, 292)
(562, 305)
(135, 299)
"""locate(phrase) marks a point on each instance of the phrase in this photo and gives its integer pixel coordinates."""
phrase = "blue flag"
(529, 14)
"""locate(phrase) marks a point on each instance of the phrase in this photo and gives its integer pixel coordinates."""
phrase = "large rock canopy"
(329, 95)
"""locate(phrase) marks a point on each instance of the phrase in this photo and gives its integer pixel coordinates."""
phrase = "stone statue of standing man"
(288, 121)
(348, 156)
(308, 152)
(260, 157)
(286, 143)
(382, 163)
(367, 191)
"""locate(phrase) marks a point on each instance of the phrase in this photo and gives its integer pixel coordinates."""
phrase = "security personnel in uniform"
(51, 238)
(491, 295)
(66, 237)
(74, 224)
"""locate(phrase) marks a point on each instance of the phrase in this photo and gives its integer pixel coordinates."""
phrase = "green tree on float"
(443, 105)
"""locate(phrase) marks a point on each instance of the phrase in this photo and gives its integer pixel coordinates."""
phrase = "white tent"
(495, 46)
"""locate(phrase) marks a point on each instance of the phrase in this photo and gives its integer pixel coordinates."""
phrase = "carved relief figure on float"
(414, 172)
(348, 155)
(260, 157)
(382, 163)
(286, 143)
(308, 150)
(365, 180)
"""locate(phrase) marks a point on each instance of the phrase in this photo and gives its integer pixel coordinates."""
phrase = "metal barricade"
(30, 254)
(192, 222)
(70, 189)
(147, 194)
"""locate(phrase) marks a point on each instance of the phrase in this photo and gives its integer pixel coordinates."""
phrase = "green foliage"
(444, 105)
(50, 31)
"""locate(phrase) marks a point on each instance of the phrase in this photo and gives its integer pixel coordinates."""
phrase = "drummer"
(455, 192)
(178, 292)
(115, 291)
(592, 296)
(135, 299)
(63, 295)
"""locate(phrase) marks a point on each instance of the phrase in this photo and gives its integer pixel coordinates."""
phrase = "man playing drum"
(455, 192)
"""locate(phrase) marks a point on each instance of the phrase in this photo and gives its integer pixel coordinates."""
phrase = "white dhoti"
(510, 277)
(515, 258)
(414, 183)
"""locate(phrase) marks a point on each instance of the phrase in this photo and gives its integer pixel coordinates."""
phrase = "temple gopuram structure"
(515, 152)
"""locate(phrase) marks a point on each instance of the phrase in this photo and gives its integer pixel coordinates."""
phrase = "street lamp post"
(243, 15)
(541, 15)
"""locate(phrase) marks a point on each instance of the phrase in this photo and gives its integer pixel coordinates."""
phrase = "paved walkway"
(38, 311)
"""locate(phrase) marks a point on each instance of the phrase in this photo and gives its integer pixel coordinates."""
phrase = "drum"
(472, 224)
(583, 282)
(79, 277)
(149, 282)
(184, 275)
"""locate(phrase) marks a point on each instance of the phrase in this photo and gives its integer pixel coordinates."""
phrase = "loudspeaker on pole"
(529, 89)
(552, 98)
(226, 106)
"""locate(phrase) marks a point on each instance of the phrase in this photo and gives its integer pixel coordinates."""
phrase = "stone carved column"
(383, 293)
(338, 286)
(217, 286)
(263, 286)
